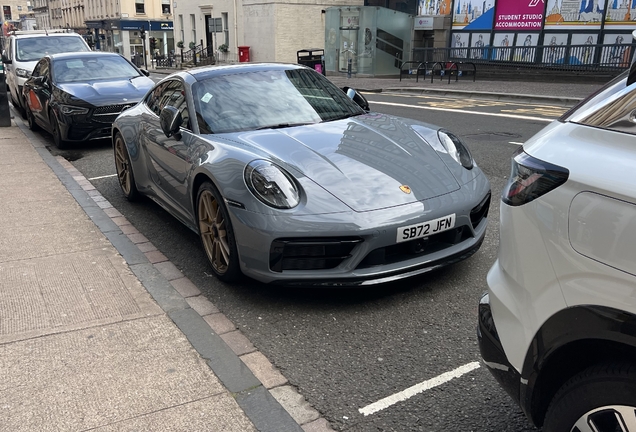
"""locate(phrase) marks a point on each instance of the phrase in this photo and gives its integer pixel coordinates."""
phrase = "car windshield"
(268, 99)
(34, 48)
(92, 69)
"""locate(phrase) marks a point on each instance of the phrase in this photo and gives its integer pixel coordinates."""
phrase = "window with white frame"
(165, 7)
(140, 7)
(226, 31)
(193, 23)
(181, 27)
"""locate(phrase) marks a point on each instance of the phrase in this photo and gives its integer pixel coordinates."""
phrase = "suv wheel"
(602, 398)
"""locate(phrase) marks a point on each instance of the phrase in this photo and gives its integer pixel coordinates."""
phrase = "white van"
(23, 49)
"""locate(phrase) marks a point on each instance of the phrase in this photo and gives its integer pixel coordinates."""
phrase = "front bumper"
(373, 259)
(492, 352)
(78, 129)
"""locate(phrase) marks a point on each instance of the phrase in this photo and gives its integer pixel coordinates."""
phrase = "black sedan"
(77, 96)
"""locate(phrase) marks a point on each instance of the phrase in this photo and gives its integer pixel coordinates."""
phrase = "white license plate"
(425, 229)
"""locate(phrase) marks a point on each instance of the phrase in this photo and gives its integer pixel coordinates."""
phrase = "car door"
(169, 158)
(37, 92)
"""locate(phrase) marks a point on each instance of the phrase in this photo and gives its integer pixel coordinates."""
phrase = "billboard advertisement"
(519, 15)
(574, 14)
(473, 14)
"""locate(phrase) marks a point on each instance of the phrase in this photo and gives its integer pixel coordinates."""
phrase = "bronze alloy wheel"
(216, 234)
(124, 171)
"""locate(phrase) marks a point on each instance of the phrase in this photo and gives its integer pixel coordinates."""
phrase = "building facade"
(129, 27)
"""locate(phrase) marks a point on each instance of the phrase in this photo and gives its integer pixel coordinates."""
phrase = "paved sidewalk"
(99, 331)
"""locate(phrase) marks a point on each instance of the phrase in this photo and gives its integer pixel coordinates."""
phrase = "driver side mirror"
(170, 120)
(145, 72)
(357, 97)
(4, 57)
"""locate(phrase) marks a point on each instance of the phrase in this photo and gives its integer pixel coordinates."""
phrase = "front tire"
(124, 169)
(602, 398)
(56, 132)
(31, 120)
(217, 234)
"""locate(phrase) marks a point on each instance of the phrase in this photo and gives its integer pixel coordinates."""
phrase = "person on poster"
(457, 43)
(526, 53)
(553, 50)
(617, 53)
(478, 53)
(504, 53)
(587, 50)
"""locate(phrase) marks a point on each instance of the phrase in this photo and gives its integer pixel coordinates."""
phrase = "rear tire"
(596, 396)
(217, 234)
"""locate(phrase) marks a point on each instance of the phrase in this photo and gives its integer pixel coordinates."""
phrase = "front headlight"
(271, 184)
(22, 73)
(73, 110)
(455, 148)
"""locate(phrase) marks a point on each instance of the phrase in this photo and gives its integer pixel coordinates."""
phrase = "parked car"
(557, 327)
(23, 49)
(286, 179)
(77, 96)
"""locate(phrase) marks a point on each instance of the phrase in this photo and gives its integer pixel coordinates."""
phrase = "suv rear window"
(34, 48)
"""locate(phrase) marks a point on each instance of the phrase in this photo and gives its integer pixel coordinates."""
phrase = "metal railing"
(585, 58)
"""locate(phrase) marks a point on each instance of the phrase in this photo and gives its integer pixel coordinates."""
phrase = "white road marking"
(102, 177)
(417, 388)
(513, 116)
(515, 142)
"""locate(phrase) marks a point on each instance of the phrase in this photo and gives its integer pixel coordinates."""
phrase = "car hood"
(369, 162)
(111, 92)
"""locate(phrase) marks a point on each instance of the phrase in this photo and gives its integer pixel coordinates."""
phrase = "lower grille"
(108, 114)
(480, 211)
(310, 254)
(411, 249)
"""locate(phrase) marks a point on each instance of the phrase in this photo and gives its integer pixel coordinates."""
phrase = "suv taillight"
(530, 178)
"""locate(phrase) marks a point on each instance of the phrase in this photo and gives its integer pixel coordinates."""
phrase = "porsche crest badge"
(405, 189)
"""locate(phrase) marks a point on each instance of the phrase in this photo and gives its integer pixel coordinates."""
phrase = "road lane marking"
(417, 389)
(470, 100)
(102, 177)
(513, 116)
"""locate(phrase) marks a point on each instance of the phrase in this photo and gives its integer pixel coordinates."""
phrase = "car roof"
(205, 72)
(39, 35)
(81, 54)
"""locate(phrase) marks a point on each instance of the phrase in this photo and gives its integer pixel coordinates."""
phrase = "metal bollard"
(349, 68)
(5, 114)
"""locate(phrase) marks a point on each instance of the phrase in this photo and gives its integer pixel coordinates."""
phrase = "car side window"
(618, 115)
(36, 70)
(170, 93)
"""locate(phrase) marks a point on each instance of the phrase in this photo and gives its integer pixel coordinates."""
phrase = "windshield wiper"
(344, 116)
(284, 125)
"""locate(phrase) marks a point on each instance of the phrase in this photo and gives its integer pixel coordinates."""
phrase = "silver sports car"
(289, 179)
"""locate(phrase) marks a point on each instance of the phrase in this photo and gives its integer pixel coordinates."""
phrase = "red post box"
(244, 54)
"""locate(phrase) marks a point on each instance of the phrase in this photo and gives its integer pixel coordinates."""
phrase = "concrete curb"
(228, 353)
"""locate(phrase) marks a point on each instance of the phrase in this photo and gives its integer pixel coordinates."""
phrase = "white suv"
(557, 327)
(23, 49)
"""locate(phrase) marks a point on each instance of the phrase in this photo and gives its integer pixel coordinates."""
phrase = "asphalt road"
(347, 349)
